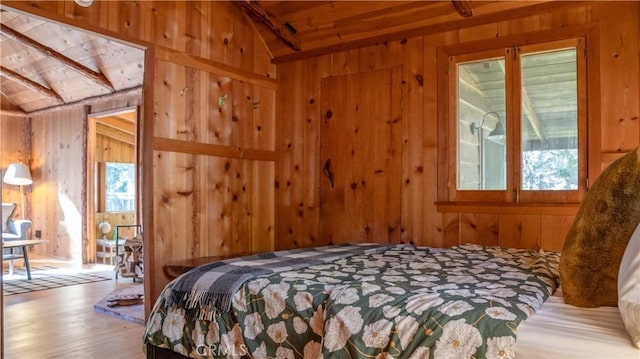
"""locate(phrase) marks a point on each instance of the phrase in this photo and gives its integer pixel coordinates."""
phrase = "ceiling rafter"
(97, 77)
(127, 116)
(5, 97)
(45, 91)
(118, 123)
(115, 134)
(463, 7)
(273, 23)
(530, 111)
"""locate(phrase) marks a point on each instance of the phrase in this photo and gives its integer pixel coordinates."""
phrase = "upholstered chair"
(13, 230)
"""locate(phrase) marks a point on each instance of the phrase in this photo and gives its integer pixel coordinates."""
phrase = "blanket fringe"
(200, 304)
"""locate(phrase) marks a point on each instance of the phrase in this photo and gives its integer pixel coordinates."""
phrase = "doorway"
(112, 182)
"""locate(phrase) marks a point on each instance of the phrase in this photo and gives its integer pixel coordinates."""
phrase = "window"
(517, 123)
(120, 192)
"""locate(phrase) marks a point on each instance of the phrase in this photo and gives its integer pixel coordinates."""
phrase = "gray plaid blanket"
(211, 287)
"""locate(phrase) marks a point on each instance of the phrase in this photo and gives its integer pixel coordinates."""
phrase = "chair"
(13, 230)
(107, 249)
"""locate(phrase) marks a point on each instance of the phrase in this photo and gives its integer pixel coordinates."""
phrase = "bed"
(395, 301)
(559, 330)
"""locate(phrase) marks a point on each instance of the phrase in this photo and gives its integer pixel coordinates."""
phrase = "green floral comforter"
(407, 302)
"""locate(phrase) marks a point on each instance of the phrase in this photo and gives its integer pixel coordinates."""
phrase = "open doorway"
(49, 97)
(57, 84)
(112, 191)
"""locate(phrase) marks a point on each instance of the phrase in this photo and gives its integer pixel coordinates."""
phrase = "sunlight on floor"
(59, 266)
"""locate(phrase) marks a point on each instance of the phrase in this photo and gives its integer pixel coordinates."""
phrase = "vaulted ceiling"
(44, 64)
(298, 29)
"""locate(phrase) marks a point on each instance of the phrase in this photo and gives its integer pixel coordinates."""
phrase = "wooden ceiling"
(45, 64)
(297, 29)
(120, 126)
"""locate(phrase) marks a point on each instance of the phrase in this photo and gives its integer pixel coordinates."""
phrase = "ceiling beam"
(532, 116)
(115, 134)
(273, 23)
(31, 84)
(4, 112)
(97, 77)
(513, 12)
(137, 91)
(8, 104)
(530, 111)
(463, 7)
(127, 116)
(119, 123)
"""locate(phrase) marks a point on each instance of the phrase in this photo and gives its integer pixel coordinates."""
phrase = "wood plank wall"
(211, 187)
(300, 123)
(214, 138)
(14, 147)
(58, 160)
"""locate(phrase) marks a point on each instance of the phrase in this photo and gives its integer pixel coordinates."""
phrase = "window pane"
(121, 190)
(549, 121)
(481, 125)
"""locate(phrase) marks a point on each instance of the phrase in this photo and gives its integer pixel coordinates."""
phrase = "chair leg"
(11, 267)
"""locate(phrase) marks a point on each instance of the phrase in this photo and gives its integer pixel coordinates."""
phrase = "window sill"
(557, 209)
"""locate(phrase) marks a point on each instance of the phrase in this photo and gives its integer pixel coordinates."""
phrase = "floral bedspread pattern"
(407, 302)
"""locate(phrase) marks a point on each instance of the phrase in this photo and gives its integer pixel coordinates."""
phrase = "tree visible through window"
(518, 116)
(120, 187)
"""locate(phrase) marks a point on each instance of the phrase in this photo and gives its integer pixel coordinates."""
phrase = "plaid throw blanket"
(210, 287)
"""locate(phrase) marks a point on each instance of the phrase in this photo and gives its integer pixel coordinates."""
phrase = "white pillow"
(629, 287)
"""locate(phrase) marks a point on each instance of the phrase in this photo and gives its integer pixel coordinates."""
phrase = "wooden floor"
(61, 323)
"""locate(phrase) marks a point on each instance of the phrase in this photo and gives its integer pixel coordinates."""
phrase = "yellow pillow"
(599, 235)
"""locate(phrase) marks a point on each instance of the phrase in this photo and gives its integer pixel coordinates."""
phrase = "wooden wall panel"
(553, 231)
(115, 219)
(112, 150)
(262, 207)
(316, 68)
(479, 229)
(617, 57)
(57, 170)
(361, 157)
(14, 139)
(413, 126)
(438, 229)
(519, 231)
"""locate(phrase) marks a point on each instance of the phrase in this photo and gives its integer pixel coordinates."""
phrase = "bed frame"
(161, 353)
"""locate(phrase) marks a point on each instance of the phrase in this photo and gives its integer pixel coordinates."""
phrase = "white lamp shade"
(17, 174)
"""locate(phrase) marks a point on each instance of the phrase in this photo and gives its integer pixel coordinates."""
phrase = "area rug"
(133, 313)
(46, 277)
